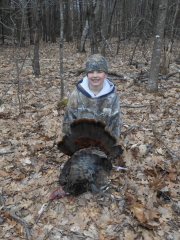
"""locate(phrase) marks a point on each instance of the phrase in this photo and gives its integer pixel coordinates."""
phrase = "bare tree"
(53, 22)
(20, 20)
(69, 21)
(36, 65)
(94, 20)
(44, 24)
(61, 49)
(30, 20)
(168, 48)
(91, 6)
(1, 26)
(80, 17)
(107, 18)
(156, 53)
(83, 37)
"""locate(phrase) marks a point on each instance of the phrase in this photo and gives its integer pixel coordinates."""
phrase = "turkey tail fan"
(91, 133)
(66, 145)
(116, 150)
(82, 133)
(85, 127)
(87, 133)
(78, 130)
(108, 139)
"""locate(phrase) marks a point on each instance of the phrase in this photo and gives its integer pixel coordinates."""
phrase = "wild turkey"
(91, 147)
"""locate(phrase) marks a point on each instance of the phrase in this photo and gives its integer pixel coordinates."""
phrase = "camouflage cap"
(96, 62)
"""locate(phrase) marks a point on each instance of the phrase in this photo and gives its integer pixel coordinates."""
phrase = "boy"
(94, 97)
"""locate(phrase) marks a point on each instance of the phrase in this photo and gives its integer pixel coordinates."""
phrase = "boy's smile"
(96, 80)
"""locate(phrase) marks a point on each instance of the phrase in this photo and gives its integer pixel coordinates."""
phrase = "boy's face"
(96, 78)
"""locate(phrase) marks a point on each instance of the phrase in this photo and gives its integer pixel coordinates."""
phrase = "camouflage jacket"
(105, 108)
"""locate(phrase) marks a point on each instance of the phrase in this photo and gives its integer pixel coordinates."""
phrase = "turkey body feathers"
(90, 146)
(81, 171)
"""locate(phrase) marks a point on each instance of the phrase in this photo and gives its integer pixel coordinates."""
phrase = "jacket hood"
(108, 87)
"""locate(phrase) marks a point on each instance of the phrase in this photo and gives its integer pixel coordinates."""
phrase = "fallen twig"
(137, 106)
(169, 150)
(155, 107)
(130, 128)
(170, 74)
(22, 221)
(174, 224)
(159, 136)
(43, 209)
(11, 151)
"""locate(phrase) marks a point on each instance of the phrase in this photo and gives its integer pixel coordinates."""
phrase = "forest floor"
(142, 203)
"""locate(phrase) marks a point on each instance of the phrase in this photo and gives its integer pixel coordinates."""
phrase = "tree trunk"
(104, 24)
(69, 21)
(155, 6)
(92, 26)
(30, 21)
(19, 14)
(156, 54)
(83, 37)
(44, 25)
(2, 30)
(119, 26)
(48, 21)
(164, 67)
(61, 49)
(168, 48)
(81, 16)
(53, 23)
(79, 23)
(107, 23)
(36, 65)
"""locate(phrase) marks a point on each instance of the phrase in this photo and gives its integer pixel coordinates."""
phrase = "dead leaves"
(151, 218)
(143, 199)
(144, 215)
(4, 174)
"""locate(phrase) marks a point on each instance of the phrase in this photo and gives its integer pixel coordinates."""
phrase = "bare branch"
(158, 137)
(22, 221)
(138, 106)
(11, 151)
(169, 150)
(130, 128)
(166, 77)
(43, 209)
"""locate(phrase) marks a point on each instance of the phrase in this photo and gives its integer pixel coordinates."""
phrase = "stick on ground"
(159, 136)
(22, 221)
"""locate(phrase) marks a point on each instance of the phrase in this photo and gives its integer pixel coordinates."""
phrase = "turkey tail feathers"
(87, 133)
(116, 150)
